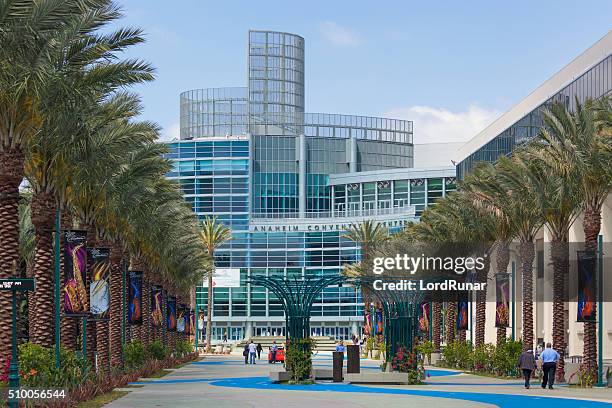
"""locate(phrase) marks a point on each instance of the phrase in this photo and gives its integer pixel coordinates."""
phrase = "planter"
(376, 354)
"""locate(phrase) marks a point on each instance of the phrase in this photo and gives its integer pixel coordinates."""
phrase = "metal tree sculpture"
(297, 296)
(401, 310)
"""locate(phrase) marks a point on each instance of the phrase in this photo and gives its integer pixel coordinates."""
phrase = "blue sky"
(452, 67)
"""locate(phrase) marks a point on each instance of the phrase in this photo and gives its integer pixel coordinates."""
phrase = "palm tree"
(30, 33)
(579, 146)
(518, 199)
(559, 199)
(212, 235)
(368, 235)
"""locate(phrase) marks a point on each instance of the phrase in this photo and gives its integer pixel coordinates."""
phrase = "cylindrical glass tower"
(276, 83)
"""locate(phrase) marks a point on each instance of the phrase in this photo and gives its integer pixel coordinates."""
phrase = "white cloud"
(437, 125)
(171, 132)
(338, 35)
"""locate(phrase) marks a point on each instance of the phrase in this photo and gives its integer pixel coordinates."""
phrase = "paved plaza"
(224, 381)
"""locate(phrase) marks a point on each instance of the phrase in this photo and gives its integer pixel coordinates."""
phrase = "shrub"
(505, 357)
(426, 348)
(416, 376)
(404, 361)
(183, 348)
(156, 350)
(586, 377)
(449, 355)
(37, 367)
(134, 355)
(298, 357)
(464, 354)
(483, 357)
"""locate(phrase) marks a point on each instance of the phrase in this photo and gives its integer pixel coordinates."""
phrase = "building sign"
(225, 278)
(311, 226)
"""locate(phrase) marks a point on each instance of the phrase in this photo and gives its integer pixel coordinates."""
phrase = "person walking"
(259, 348)
(549, 365)
(527, 363)
(252, 352)
(273, 350)
(245, 353)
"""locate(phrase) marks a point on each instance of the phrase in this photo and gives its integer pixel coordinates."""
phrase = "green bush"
(37, 367)
(483, 358)
(183, 347)
(425, 348)
(134, 355)
(298, 358)
(449, 355)
(505, 357)
(464, 354)
(156, 350)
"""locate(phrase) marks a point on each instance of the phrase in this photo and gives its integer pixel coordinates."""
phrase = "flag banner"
(424, 318)
(462, 315)
(156, 305)
(171, 313)
(502, 300)
(135, 298)
(99, 288)
(191, 322)
(379, 321)
(587, 286)
(187, 321)
(367, 328)
(75, 299)
(180, 319)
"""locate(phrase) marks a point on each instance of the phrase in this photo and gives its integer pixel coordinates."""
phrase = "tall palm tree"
(213, 234)
(513, 193)
(559, 199)
(31, 32)
(368, 235)
(579, 146)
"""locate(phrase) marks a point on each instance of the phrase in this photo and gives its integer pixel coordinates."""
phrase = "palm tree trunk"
(451, 319)
(68, 326)
(116, 305)
(591, 225)
(527, 254)
(209, 310)
(31, 304)
(560, 256)
(502, 261)
(11, 175)
(102, 348)
(43, 216)
(436, 322)
(481, 305)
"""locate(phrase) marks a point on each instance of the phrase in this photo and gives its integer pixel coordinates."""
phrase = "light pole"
(600, 381)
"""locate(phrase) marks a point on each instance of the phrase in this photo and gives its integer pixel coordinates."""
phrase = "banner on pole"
(156, 305)
(171, 313)
(587, 286)
(424, 318)
(180, 319)
(74, 293)
(462, 315)
(135, 298)
(502, 300)
(99, 288)
(191, 322)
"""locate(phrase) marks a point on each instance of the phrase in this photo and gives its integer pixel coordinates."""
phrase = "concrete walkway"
(224, 381)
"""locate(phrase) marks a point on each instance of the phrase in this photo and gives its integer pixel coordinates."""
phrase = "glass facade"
(252, 158)
(594, 83)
